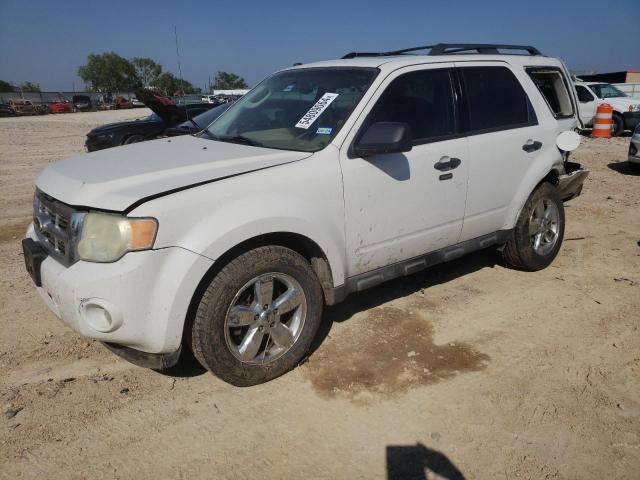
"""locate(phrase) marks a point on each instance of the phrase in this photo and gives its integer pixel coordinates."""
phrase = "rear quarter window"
(553, 87)
(495, 100)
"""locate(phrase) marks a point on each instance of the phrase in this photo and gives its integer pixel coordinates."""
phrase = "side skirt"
(380, 275)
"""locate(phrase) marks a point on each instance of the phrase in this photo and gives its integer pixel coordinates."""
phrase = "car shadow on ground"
(188, 366)
(415, 462)
(625, 168)
(587, 133)
(402, 287)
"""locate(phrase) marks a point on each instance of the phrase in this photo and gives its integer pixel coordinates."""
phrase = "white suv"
(325, 179)
(626, 109)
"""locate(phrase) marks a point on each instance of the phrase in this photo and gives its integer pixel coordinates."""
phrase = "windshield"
(606, 90)
(299, 109)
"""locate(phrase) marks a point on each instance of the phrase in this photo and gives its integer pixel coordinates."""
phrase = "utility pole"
(175, 31)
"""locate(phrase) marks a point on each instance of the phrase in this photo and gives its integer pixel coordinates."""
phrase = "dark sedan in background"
(166, 114)
(82, 103)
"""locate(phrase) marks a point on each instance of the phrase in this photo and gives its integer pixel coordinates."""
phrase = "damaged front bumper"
(571, 182)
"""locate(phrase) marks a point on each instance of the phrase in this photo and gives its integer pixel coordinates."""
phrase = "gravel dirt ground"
(468, 370)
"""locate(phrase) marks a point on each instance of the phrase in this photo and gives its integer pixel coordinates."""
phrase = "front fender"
(304, 198)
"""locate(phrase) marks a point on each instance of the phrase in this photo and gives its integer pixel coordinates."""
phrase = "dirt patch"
(558, 398)
(14, 231)
(392, 354)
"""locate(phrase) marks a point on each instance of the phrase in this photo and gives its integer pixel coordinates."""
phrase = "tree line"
(109, 72)
(24, 86)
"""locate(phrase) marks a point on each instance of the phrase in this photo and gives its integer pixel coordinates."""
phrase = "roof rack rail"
(451, 49)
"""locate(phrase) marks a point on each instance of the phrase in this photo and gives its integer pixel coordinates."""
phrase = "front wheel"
(133, 139)
(617, 125)
(258, 316)
(539, 231)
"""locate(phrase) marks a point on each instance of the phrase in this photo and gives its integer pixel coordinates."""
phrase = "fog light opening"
(101, 316)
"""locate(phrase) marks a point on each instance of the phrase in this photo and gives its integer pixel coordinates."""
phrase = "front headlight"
(634, 108)
(106, 237)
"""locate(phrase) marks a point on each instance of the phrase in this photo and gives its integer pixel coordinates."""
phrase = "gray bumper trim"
(570, 184)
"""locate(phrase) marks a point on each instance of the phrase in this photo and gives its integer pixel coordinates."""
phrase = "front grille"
(53, 224)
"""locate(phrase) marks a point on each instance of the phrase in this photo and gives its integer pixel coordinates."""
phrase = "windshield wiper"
(238, 139)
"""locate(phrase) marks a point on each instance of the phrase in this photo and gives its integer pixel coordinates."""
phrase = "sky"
(45, 42)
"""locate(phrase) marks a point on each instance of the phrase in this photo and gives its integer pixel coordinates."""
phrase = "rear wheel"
(258, 317)
(617, 125)
(539, 231)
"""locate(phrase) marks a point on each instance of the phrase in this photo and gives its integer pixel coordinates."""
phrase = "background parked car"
(626, 109)
(136, 103)
(166, 114)
(61, 107)
(19, 106)
(5, 110)
(82, 103)
(122, 102)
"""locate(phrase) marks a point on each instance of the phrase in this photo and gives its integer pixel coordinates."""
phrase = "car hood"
(621, 103)
(164, 107)
(109, 127)
(115, 179)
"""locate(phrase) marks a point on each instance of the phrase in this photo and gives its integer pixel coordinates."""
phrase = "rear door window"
(553, 87)
(495, 100)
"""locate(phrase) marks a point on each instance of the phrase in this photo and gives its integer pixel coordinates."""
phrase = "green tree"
(109, 72)
(228, 81)
(168, 84)
(30, 87)
(146, 70)
(6, 86)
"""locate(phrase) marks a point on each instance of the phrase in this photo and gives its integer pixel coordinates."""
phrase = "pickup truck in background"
(626, 109)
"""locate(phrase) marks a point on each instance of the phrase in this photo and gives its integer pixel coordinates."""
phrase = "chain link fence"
(44, 98)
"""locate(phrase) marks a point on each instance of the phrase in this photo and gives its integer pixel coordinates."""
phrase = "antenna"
(186, 110)
(175, 31)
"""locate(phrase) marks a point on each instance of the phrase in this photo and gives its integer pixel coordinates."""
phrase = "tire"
(617, 125)
(218, 337)
(520, 251)
(133, 139)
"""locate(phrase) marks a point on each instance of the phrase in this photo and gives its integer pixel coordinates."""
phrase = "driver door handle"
(445, 164)
(532, 146)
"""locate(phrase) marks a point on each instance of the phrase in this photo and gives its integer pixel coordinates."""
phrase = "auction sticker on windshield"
(314, 112)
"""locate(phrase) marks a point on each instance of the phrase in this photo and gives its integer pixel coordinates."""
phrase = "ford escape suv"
(325, 179)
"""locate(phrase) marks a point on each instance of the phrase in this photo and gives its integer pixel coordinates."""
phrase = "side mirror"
(568, 141)
(384, 137)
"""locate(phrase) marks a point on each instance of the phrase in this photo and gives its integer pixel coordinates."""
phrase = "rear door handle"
(445, 164)
(532, 146)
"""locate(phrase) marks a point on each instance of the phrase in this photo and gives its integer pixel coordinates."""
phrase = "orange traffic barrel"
(602, 122)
